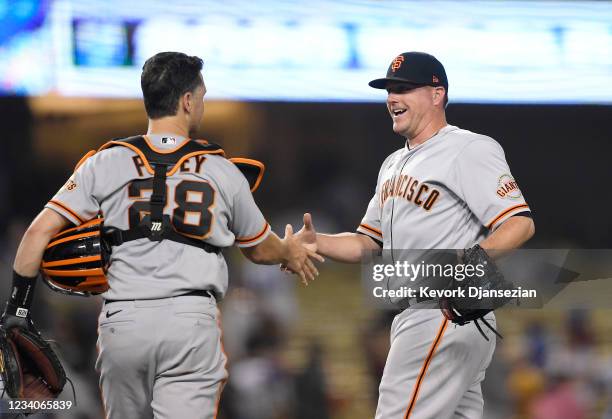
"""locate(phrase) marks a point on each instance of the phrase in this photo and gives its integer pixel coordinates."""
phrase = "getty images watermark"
(429, 276)
(552, 278)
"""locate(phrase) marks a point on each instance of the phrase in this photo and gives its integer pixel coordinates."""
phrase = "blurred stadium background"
(287, 85)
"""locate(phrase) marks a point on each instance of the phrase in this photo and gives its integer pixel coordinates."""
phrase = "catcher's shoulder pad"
(253, 170)
(84, 158)
(173, 158)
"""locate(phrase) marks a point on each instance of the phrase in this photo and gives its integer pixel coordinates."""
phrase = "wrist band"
(22, 294)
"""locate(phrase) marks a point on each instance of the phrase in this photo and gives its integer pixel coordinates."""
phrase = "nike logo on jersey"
(109, 314)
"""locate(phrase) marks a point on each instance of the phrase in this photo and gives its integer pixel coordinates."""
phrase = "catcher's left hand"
(29, 367)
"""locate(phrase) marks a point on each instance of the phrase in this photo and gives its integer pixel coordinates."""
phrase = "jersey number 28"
(193, 199)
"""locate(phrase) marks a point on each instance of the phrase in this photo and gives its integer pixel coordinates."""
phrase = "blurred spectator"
(376, 344)
(525, 383)
(558, 402)
(240, 317)
(578, 359)
(311, 392)
(579, 329)
(274, 291)
(537, 347)
(255, 292)
(259, 386)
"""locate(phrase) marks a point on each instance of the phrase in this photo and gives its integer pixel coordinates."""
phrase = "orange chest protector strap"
(157, 226)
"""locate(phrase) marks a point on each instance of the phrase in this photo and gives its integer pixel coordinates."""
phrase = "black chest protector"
(160, 164)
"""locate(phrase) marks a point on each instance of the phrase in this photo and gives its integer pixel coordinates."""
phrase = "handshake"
(301, 251)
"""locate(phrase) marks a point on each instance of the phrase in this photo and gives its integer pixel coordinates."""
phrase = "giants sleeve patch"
(70, 185)
(508, 188)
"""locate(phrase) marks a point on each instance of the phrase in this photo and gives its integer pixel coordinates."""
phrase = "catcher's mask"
(76, 259)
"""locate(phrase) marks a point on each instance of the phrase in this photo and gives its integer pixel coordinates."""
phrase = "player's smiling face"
(410, 108)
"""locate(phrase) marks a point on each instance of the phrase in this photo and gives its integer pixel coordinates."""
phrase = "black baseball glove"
(465, 309)
(29, 367)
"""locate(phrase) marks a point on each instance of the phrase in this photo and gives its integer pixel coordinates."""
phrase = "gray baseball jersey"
(449, 192)
(218, 208)
(159, 350)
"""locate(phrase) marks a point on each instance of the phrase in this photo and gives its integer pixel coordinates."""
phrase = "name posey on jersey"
(186, 165)
(409, 188)
(508, 188)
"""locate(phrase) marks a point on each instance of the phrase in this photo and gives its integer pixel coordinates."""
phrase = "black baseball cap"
(416, 68)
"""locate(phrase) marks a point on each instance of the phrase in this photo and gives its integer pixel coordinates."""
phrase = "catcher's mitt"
(462, 310)
(29, 367)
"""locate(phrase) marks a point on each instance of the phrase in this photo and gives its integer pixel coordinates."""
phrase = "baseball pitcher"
(447, 188)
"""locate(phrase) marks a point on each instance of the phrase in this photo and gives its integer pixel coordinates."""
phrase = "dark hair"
(165, 78)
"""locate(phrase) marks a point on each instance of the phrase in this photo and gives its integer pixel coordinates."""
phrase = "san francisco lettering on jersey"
(409, 188)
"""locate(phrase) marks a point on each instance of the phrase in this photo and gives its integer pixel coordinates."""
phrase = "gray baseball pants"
(161, 358)
(434, 368)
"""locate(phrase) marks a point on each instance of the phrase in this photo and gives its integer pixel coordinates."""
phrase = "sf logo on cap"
(397, 62)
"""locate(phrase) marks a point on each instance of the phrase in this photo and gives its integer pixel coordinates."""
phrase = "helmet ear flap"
(76, 260)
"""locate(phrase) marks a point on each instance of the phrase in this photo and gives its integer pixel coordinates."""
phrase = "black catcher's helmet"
(76, 259)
